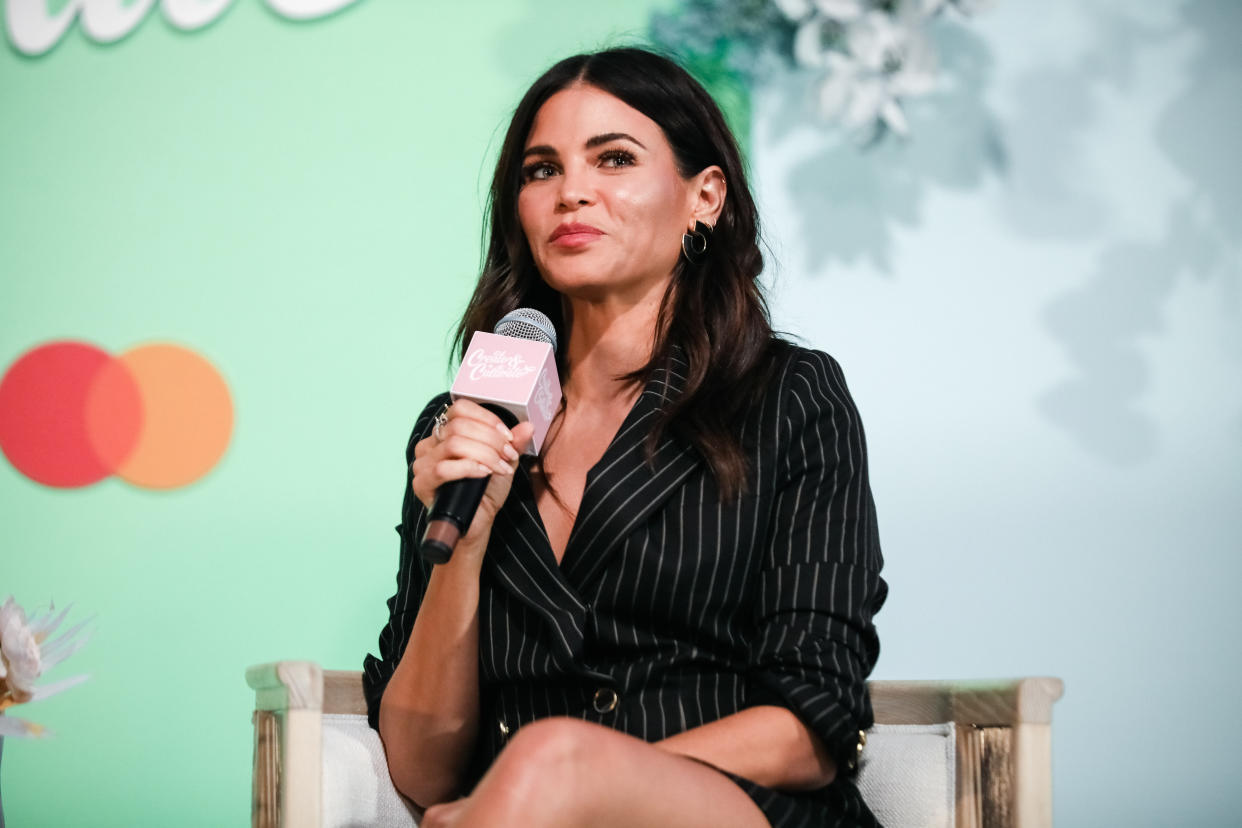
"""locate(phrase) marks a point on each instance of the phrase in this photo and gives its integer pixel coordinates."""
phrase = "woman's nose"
(575, 190)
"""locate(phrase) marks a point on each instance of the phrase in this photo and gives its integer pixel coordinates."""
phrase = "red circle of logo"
(159, 416)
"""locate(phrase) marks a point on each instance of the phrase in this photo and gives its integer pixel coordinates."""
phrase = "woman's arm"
(765, 744)
(428, 714)
(817, 589)
(819, 586)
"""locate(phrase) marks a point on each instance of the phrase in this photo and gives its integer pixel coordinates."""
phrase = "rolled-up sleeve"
(413, 572)
(820, 583)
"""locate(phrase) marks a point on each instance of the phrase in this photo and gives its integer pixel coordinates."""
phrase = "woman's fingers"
(522, 435)
(497, 491)
(472, 443)
(469, 420)
(437, 468)
(479, 432)
(470, 410)
(458, 447)
(457, 456)
(465, 467)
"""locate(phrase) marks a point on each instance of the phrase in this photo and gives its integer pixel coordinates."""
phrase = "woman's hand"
(473, 443)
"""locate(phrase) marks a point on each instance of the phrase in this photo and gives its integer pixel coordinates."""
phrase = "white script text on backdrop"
(32, 30)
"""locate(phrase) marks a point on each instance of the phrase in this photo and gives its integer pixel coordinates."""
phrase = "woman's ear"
(708, 190)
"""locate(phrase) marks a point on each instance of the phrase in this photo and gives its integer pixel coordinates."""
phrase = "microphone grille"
(527, 323)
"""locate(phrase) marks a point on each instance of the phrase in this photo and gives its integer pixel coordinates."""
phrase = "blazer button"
(858, 750)
(605, 700)
(504, 730)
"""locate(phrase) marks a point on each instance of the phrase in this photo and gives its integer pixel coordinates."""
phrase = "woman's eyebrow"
(592, 142)
(609, 137)
(541, 149)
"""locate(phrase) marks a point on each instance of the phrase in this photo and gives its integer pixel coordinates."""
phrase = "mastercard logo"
(158, 416)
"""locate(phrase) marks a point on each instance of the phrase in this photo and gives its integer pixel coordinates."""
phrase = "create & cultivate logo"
(158, 416)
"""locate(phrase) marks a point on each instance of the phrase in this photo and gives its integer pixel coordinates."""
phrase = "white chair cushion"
(909, 775)
(357, 790)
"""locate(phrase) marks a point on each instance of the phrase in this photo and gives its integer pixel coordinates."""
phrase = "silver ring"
(441, 422)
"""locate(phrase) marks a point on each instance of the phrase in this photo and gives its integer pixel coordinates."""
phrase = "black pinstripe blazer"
(671, 608)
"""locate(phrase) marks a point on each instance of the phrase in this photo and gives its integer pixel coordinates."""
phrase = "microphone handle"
(455, 504)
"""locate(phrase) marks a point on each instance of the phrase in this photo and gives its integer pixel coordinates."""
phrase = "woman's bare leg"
(563, 773)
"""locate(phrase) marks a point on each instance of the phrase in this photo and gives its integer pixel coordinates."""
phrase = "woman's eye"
(617, 158)
(538, 171)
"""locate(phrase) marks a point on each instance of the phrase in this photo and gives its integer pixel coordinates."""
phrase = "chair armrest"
(286, 685)
(982, 703)
(1003, 736)
(288, 753)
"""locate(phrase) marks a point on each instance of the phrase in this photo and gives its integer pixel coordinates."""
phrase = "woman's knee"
(552, 756)
(556, 743)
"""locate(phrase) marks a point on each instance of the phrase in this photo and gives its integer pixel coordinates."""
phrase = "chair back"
(942, 754)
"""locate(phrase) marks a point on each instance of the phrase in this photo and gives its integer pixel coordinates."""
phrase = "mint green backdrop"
(1036, 299)
(300, 203)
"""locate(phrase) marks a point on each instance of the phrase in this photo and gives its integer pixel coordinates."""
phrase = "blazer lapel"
(622, 489)
(523, 565)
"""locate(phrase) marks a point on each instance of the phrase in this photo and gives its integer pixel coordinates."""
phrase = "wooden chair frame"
(1003, 747)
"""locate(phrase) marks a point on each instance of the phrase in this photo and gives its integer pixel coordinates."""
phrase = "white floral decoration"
(869, 57)
(25, 654)
(873, 55)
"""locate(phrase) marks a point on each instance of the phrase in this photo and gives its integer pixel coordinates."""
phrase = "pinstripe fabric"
(687, 608)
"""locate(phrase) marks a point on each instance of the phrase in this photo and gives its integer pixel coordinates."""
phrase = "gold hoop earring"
(694, 242)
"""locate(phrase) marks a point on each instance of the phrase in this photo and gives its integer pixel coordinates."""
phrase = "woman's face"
(602, 203)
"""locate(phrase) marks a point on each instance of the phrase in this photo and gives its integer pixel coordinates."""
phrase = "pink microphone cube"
(516, 374)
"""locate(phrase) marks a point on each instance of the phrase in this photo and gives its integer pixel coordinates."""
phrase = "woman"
(666, 618)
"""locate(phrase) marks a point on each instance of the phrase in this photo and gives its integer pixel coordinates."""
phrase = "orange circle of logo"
(158, 416)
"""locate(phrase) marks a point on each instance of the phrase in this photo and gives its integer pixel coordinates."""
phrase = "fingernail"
(482, 469)
(511, 452)
(503, 468)
(506, 432)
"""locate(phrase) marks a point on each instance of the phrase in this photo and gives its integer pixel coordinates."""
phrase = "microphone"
(512, 373)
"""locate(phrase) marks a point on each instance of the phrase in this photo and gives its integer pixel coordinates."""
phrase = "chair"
(956, 754)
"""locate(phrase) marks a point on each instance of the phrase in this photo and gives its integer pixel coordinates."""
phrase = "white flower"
(885, 59)
(893, 46)
(24, 656)
(808, 45)
(858, 97)
(20, 653)
(872, 59)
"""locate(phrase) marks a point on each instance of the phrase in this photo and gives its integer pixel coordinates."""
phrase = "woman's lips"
(574, 235)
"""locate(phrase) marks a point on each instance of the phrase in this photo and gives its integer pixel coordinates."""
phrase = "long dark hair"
(713, 312)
